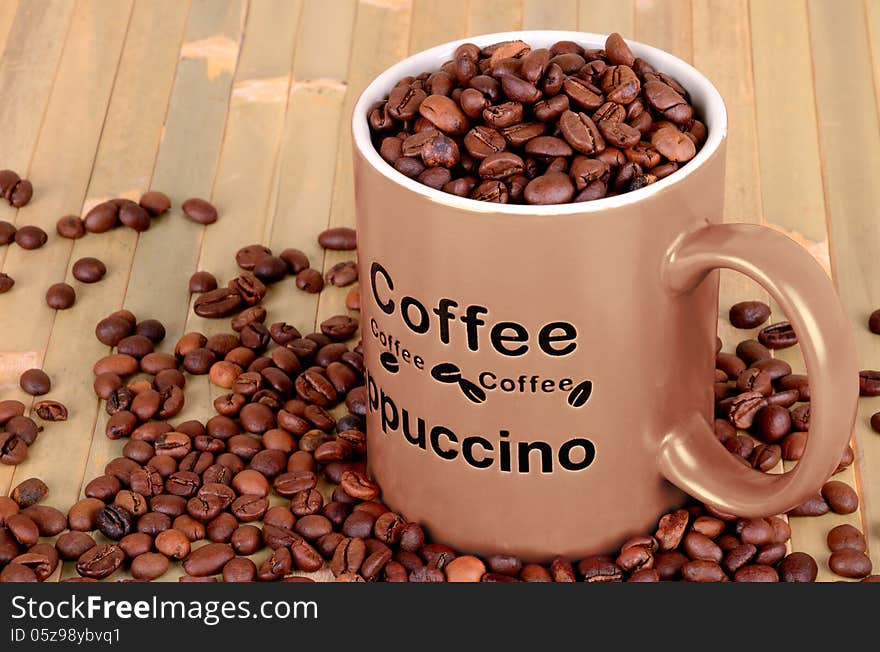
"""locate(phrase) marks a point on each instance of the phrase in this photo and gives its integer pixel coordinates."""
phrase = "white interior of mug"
(704, 96)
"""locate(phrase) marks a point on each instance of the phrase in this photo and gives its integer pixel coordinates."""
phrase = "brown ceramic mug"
(540, 377)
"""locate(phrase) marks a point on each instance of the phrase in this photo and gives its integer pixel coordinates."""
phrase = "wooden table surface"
(246, 103)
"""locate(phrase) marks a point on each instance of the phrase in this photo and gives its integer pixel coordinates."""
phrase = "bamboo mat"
(246, 103)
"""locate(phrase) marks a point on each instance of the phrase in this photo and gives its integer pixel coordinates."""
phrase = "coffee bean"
(599, 569)
(699, 546)
(742, 410)
(464, 569)
(149, 565)
(798, 567)
(752, 351)
(850, 563)
(7, 233)
(841, 498)
(100, 561)
(6, 283)
(359, 486)
(778, 336)
(102, 217)
(702, 571)
(846, 537)
(155, 203)
(71, 545)
(551, 188)
(30, 237)
(29, 492)
(201, 282)
(310, 280)
(21, 194)
(773, 423)
(88, 270)
(218, 303)
(869, 383)
(199, 210)
(51, 410)
(133, 215)
(68, 226)
(795, 381)
(756, 573)
(813, 506)
(874, 322)
(730, 364)
(35, 382)
(60, 296)
(749, 314)
(342, 274)
(754, 379)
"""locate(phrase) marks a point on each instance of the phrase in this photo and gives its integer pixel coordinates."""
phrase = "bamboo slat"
(488, 16)
(607, 16)
(666, 24)
(550, 14)
(437, 22)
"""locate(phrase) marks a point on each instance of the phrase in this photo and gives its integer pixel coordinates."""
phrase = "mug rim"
(702, 92)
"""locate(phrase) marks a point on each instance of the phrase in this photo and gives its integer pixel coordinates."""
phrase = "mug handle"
(691, 456)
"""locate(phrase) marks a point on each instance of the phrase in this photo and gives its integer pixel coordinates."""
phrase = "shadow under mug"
(540, 377)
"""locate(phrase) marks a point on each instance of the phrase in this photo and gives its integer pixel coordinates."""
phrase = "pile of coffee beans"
(15, 190)
(511, 124)
(114, 212)
(274, 484)
(262, 268)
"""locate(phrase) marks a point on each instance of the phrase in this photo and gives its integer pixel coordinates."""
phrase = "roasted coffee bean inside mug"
(513, 123)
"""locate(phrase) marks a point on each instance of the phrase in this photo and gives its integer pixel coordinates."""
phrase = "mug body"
(525, 362)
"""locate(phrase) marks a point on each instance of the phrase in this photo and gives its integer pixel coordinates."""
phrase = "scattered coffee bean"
(60, 296)
(201, 282)
(869, 383)
(219, 303)
(51, 411)
(296, 260)
(6, 283)
(14, 189)
(749, 314)
(70, 226)
(841, 498)
(29, 492)
(310, 280)
(35, 382)
(342, 274)
(88, 270)
(846, 537)
(778, 336)
(199, 210)
(155, 203)
(7, 233)
(850, 563)
(338, 238)
(30, 237)
(874, 322)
